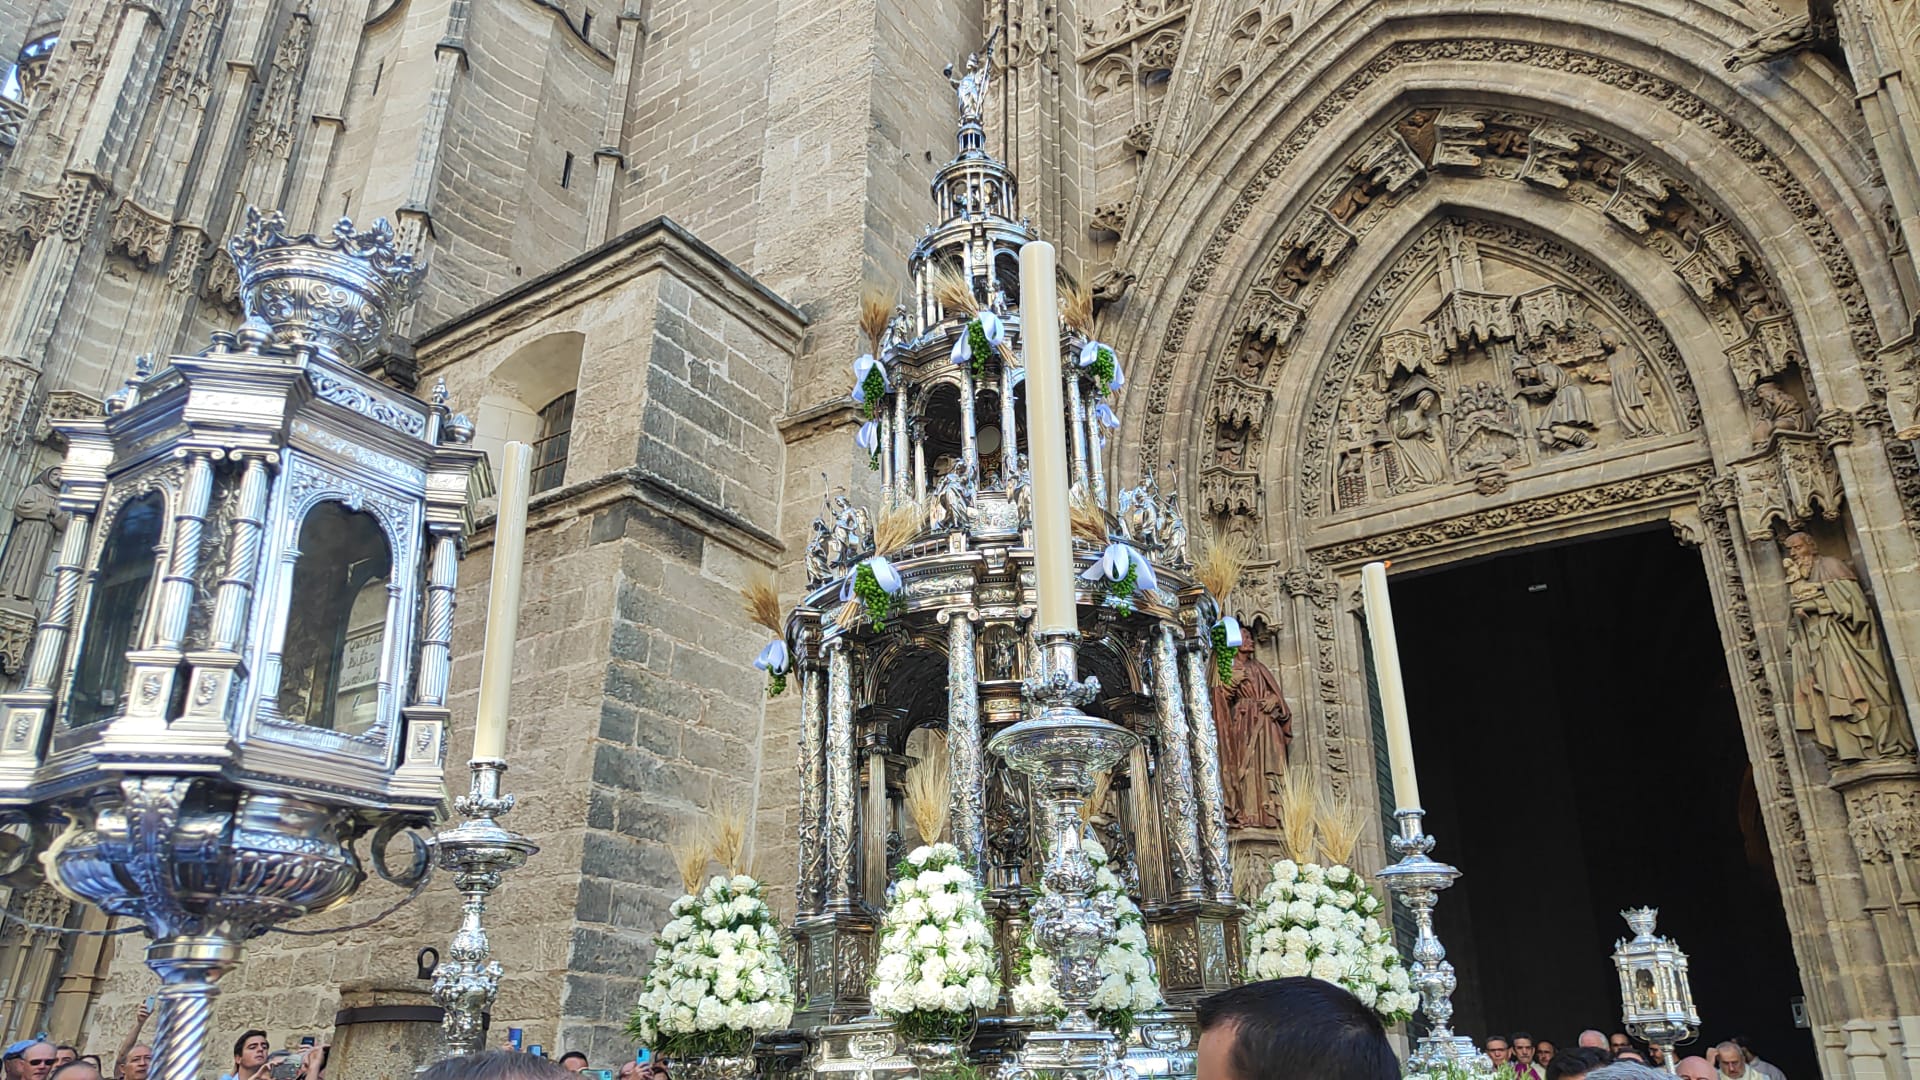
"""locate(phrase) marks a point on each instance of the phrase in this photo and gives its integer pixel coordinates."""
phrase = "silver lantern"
(1656, 1004)
(244, 666)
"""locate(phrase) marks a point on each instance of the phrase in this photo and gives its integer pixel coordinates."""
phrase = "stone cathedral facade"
(1429, 281)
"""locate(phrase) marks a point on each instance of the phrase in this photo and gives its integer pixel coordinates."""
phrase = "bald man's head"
(1693, 1068)
(1593, 1038)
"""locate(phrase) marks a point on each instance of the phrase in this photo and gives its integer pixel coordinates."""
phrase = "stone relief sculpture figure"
(1255, 727)
(1565, 419)
(1775, 410)
(1843, 693)
(1415, 425)
(1626, 371)
(36, 518)
(1487, 432)
(971, 86)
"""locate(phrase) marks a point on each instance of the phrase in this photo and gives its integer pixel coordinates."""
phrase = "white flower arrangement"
(1128, 984)
(1321, 921)
(718, 974)
(935, 966)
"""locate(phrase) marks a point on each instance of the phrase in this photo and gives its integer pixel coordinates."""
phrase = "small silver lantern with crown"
(244, 666)
(1656, 1004)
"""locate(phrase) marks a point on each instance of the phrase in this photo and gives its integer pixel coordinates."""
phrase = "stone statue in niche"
(1631, 380)
(1255, 727)
(1252, 362)
(1230, 446)
(36, 518)
(1775, 410)
(1565, 419)
(1419, 455)
(1842, 693)
(1487, 432)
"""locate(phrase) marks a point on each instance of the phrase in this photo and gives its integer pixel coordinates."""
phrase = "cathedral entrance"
(1581, 753)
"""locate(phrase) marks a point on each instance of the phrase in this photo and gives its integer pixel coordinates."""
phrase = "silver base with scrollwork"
(1418, 880)
(477, 852)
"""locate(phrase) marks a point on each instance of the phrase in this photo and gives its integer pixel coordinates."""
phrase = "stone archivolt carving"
(1462, 137)
(1487, 383)
(140, 233)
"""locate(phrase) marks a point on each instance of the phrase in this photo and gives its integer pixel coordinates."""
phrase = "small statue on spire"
(971, 86)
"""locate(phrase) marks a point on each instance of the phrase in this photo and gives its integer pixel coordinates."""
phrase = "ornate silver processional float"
(1656, 1001)
(929, 614)
(199, 752)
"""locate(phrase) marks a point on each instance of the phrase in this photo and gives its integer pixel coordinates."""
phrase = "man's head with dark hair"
(573, 1061)
(1577, 1062)
(1288, 1028)
(250, 1051)
(1522, 1044)
(1498, 1049)
(495, 1065)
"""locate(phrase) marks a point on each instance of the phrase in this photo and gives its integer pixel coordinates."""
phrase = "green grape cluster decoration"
(1222, 654)
(1121, 591)
(978, 347)
(776, 683)
(872, 389)
(1103, 370)
(878, 601)
(873, 461)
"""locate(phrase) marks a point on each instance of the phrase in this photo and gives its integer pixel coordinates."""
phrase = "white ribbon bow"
(1232, 625)
(1114, 563)
(861, 367)
(883, 573)
(868, 437)
(773, 658)
(1090, 353)
(1104, 415)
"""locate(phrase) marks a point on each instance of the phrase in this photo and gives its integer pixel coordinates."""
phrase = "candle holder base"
(1433, 1052)
(1069, 1055)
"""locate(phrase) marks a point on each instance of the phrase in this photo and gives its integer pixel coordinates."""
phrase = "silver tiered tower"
(203, 751)
(959, 650)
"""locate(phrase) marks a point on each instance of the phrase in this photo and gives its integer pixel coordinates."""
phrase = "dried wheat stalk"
(690, 855)
(954, 294)
(897, 526)
(1088, 521)
(876, 309)
(850, 614)
(928, 795)
(763, 602)
(727, 836)
(1218, 568)
(1341, 825)
(1076, 305)
(1297, 804)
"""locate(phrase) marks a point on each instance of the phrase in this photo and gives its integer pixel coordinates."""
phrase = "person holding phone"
(136, 1057)
(250, 1052)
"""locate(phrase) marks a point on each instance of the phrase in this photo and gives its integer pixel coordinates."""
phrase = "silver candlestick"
(1417, 880)
(1061, 749)
(477, 852)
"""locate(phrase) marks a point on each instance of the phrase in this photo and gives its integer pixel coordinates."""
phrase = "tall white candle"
(503, 603)
(1392, 690)
(1046, 438)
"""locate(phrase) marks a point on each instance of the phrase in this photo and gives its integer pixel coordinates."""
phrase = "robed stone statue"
(1255, 728)
(36, 517)
(1842, 692)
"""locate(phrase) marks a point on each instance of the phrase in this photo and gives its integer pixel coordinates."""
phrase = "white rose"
(918, 856)
(1291, 965)
(1286, 870)
(1328, 967)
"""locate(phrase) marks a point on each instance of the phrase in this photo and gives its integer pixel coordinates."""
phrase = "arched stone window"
(530, 398)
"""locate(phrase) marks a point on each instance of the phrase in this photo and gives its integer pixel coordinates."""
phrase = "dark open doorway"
(1580, 753)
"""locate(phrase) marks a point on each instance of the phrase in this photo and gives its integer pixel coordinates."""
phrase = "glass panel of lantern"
(336, 628)
(116, 609)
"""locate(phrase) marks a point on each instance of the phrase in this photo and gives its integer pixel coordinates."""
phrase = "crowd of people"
(1279, 1029)
(1520, 1056)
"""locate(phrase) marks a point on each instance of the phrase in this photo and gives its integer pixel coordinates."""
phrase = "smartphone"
(597, 1074)
(642, 1056)
(536, 1050)
(306, 1040)
(513, 1036)
(152, 1000)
